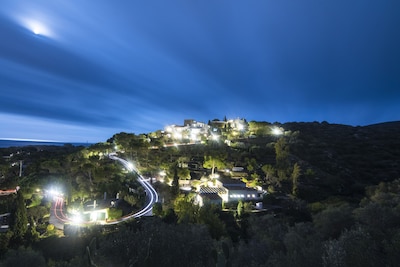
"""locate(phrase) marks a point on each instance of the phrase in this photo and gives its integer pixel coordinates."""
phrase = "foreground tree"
(295, 176)
(23, 257)
(282, 158)
(19, 221)
(154, 243)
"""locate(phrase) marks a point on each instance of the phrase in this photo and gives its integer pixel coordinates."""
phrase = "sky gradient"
(81, 71)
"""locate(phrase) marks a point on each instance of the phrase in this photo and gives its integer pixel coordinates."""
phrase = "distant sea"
(20, 143)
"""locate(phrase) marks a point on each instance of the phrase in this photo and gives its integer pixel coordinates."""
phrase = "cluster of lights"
(242, 196)
(191, 132)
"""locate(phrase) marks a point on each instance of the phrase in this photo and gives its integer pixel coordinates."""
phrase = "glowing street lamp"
(93, 216)
(55, 193)
(77, 219)
(215, 137)
(277, 131)
(130, 166)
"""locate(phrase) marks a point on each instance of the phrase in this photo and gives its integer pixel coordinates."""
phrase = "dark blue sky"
(83, 70)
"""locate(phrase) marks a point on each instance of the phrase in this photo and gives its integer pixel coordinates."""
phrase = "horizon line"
(30, 140)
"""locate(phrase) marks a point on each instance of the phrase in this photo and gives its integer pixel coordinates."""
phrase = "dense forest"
(331, 198)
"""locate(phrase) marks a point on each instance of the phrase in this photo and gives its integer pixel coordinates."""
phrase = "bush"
(114, 213)
(50, 228)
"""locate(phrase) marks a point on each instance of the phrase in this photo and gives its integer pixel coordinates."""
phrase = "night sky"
(82, 71)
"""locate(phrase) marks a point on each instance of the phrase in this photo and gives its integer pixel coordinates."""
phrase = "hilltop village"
(228, 192)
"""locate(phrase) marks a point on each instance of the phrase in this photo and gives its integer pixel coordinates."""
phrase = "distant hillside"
(345, 159)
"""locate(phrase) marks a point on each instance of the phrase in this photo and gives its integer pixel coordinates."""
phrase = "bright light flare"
(55, 193)
(77, 219)
(37, 30)
(37, 27)
(93, 216)
(178, 135)
(130, 166)
(277, 131)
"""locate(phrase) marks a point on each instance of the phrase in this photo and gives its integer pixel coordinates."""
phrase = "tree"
(295, 175)
(259, 128)
(183, 173)
(186, 209)
(251, 164)
(32, 235)
(240, 208)
(51, 165)
(157, 209)
(270, 177)
(355, 247)
(332, 221)
(131, 199)
(212, 162)
(269, 171)
(157, 244)
(302, 247)
(175, 181)
(23, 257)
(208, 215)
(282, 157)
(19, 224)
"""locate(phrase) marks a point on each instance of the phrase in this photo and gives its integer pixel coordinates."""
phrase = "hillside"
(345, 159)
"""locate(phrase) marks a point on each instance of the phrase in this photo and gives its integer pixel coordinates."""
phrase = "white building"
(229, 190)
(191, 130)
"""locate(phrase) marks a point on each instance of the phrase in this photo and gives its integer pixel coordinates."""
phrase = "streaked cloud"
(138, 66)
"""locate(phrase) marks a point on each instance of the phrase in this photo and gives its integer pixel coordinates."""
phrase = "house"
(191, 130)
(226, 181)
(235, 190)
(209, 198)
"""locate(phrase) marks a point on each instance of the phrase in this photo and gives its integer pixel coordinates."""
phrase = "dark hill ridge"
(345, 159)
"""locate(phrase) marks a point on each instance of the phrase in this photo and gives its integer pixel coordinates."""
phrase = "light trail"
(61, 217)
(151, 196)
(150, 192)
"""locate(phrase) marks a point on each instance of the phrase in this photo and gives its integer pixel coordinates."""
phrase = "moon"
(37, 27)
(36, 31)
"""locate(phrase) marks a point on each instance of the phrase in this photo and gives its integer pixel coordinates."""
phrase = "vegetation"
(333, 199)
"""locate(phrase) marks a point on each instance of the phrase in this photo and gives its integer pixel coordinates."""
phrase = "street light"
(77, 219)
(277, 131)
(130, 166)
(55, 193)
(215, 137)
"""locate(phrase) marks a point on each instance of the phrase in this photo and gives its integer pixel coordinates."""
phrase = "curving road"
(151, 194)
(58, 218)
